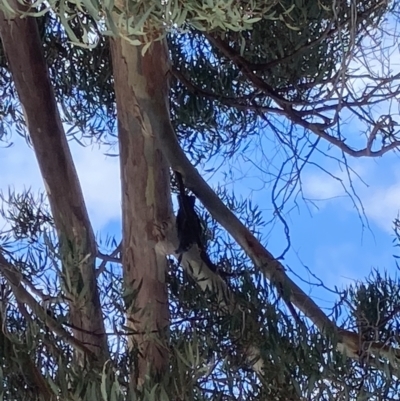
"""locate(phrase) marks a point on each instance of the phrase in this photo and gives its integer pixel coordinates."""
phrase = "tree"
(180, 344)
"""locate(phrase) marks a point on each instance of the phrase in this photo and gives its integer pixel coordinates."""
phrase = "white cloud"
(100, 180)
(321, 186)
(98, 174)
(381, 200)
(19, 167)
(382, 205)
(318, 184)
(334, 264)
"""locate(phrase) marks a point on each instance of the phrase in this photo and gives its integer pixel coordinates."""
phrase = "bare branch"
(108, 258)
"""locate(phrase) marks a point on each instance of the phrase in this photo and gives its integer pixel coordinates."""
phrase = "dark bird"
(189, 226)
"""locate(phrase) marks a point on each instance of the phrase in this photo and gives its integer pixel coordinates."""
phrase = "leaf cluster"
(206, 349)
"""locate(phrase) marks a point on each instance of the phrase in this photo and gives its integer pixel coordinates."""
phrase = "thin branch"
(112, 258)
(262, 258)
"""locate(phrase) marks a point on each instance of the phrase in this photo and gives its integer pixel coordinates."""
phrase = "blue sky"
(331, 239)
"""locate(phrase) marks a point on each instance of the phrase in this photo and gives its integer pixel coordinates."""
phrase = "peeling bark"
(141, 90)
(23, 48)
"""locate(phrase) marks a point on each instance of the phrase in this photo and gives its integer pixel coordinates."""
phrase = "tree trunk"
(24, 52)
(141, 90)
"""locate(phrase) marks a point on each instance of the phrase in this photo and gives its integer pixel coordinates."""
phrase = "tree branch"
(23, 48)
(348, 341)
(288, 107)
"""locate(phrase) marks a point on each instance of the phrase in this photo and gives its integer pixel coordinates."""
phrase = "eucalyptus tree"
(186, 79)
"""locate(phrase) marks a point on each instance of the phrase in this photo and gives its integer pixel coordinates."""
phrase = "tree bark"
(141, 90)
(23, 48)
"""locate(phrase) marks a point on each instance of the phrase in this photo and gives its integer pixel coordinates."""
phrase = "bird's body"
(188, 224)
(189, 227)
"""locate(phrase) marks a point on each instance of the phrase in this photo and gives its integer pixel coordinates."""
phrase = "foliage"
(297, 50)
(204, 359)
(206, 350)
(215, 105)
(144, 21)
(82, 82)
